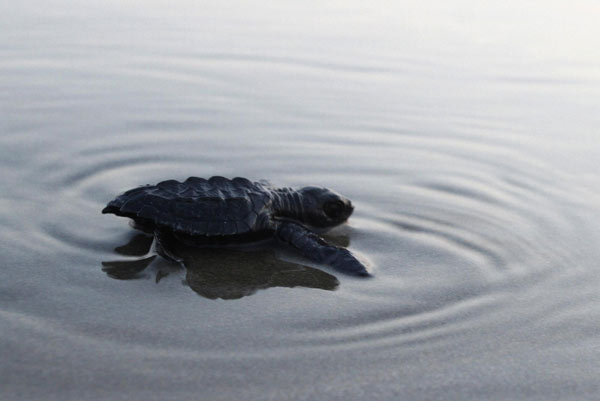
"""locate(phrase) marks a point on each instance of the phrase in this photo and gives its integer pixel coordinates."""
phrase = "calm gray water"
(465, 134)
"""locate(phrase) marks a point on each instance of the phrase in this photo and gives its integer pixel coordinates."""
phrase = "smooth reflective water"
(466, 134)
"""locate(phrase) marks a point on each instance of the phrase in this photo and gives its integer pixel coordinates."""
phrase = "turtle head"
(323, 208)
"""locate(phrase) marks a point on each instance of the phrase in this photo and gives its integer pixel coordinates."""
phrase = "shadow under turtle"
(218, 272)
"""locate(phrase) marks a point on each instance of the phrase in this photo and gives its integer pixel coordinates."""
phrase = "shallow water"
(466, 136)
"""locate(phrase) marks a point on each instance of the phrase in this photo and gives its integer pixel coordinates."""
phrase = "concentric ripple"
(447, 247)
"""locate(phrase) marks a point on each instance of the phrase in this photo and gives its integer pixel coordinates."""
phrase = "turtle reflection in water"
(218, 272)
(220, 212)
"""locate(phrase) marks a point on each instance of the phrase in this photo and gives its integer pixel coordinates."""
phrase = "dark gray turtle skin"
(220, 212)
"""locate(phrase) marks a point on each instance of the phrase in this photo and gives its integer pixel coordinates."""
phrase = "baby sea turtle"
(219, 212)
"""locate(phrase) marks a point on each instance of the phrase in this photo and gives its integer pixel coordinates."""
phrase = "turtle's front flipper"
(318, 250)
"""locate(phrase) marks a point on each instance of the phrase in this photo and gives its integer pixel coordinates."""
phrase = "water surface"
(465, 135)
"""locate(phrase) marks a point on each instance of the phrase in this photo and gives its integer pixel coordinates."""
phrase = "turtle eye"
(333, 209)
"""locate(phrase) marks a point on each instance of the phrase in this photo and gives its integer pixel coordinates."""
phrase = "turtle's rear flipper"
(163, 246)
(138, 245)
(318, 250)
(126, 269)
